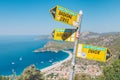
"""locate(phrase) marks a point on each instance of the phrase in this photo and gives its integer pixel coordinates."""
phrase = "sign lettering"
(64, 19)
(65, 14)
(93, 51)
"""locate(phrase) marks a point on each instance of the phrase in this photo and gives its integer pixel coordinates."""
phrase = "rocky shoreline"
(54, 47)
(44, 50)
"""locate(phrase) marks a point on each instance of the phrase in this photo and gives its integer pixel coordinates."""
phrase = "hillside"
(110, 40)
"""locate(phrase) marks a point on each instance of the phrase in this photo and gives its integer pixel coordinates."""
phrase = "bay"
(16, 53)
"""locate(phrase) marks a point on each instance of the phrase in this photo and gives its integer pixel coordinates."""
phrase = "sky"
(32, 17)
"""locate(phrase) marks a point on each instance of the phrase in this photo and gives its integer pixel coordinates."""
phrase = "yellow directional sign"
(93, 52)
(63, 34)
(64, 15)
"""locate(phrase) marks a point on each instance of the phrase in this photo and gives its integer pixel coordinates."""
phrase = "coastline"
(57, 64)
(33, 70)
(49, 68)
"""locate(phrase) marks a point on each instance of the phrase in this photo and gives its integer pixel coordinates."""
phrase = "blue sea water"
(16, 53)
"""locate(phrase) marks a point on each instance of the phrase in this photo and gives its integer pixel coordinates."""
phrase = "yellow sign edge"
(93, 59)
(111, 54)
(61, 40)
(61, 21)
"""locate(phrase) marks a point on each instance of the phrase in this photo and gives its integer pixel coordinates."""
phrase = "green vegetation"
(112, 72)
(30, 73)
(4, 78)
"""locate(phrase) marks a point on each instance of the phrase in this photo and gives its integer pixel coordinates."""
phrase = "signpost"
(71, 77)
(93, 52)
(69, 17)
(64, 34)
(64, 15)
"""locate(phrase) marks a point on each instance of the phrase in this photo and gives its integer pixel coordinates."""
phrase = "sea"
(16, 53)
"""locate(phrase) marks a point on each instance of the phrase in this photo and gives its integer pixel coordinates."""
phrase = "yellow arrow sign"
(64, 15)
(63, 34)
(93, 52)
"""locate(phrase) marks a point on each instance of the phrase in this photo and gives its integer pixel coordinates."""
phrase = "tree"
(4, 78)
(112, 72)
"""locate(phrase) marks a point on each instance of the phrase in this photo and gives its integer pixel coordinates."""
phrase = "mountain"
(43, 37)
(110, 40)
(87, 35)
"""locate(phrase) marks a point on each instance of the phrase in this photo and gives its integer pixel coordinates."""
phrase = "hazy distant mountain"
(86, 35)
(96, 35)
(46, 37)
(83, 35)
